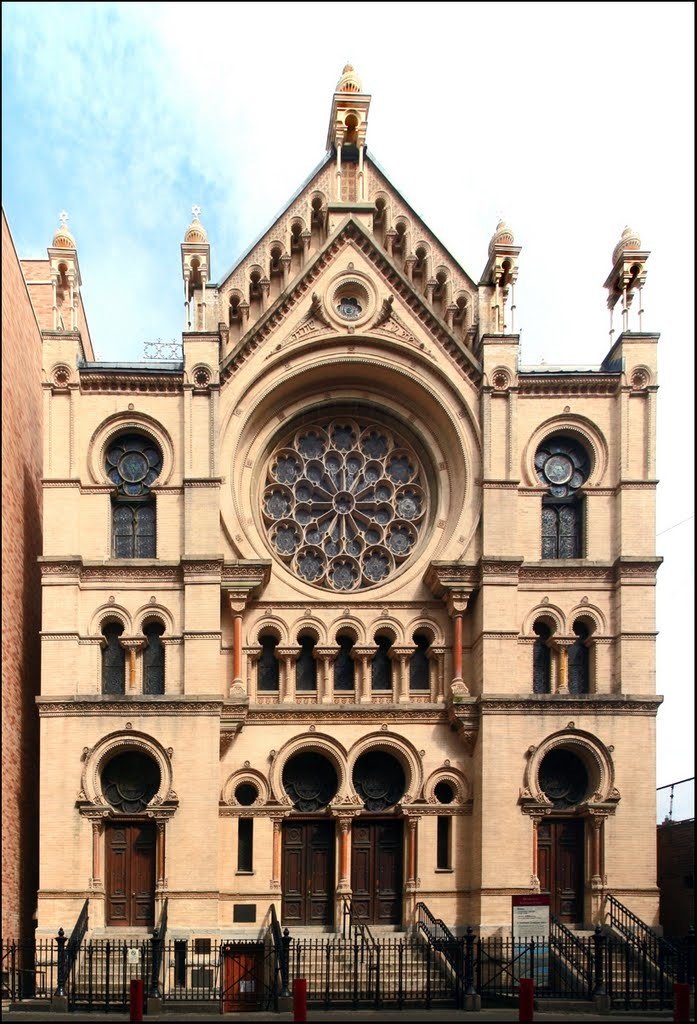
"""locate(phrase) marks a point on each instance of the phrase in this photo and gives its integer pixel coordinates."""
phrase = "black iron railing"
(572, 960)
(281, 945)
(453, 954)
(68, 949)
(158, 944)
(665, 956)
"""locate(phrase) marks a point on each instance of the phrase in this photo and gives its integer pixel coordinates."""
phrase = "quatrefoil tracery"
(344, 503)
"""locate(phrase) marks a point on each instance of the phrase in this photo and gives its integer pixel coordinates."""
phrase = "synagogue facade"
(347, 605)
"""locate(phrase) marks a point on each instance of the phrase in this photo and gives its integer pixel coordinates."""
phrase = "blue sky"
(570, 120)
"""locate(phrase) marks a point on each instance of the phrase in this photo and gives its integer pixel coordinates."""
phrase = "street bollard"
(681, 1002)
(300, 999)
(526, 992)
(136, 1000)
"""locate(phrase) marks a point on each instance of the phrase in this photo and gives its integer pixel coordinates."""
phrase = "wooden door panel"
(376, 871)
(143, 875)
(560, 867)
(242, 978)
(130, 874)
(308, 872)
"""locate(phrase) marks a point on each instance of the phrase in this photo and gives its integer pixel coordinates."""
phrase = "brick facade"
(345, 327)
(21, 593)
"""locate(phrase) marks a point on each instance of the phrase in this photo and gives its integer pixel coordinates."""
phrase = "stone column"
(534, 877)
(237, 606)
(97, 830)
(288, 657)
(132, 644)
(161, 833)
(277, 822)
(411, 882)
(562, 645)
(436, 664)
(400, 685)
(362, 656)
(325, 687)
(253, 656)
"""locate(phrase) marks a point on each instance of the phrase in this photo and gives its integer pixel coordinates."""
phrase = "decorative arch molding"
(156, 612)
(316, 743)
(266, 624)
(251, 776)
(572, 425)
(593, 616)
(549, 612)
(457, 779)
(106, 612)
(596, 759)
(310, 625)
(401, 749)
(92, 798)
(388, 626)
(119, 423)
(422, 624)
(350, 625)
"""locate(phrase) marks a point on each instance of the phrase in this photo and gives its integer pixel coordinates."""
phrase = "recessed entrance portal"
(130, 874)
(376, 871)
(560, 866)
(308, 873)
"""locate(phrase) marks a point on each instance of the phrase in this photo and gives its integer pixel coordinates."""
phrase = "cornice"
(97, 705)
(341, 714)
(556, 704)
(350, 231)
(118, 381)
(561, 384)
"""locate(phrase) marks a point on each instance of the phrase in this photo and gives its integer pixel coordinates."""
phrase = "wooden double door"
(560, 866)
(308, 873)
(130, 874)
(376, 871)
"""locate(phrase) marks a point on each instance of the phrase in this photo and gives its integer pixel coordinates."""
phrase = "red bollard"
(300, 999)
(136, 1005)
(525, 999)
(681, 1002)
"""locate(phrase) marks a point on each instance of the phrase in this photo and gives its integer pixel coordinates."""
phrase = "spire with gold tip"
(196, 233)
(349, 81)
(63, 237)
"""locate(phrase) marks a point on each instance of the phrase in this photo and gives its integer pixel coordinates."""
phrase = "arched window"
(418, 663)
(268, 664)
(541, 659)
(381, 667)
(344, 666)
(306, 666)
(579, 660)
(132, 464)
(154, 659)
(562, 464)
(113, 659)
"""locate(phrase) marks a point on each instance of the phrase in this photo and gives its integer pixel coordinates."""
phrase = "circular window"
(351, 300)
(444, 793)
(562, 464)
(130, 781)
(310, 781)
(563, 778)
(379, 780)
(345, 503)
(246, 794)
(133, 463)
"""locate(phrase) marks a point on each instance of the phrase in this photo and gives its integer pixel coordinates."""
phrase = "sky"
(569, 120)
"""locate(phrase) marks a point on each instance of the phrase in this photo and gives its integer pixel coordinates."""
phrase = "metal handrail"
(281, 942)
(361, 927)
(76, 937)
(440, 938)
(561, 937)
(158, 945)
(641, 937)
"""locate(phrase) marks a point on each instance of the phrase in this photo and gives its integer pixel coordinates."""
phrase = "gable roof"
(350, 230)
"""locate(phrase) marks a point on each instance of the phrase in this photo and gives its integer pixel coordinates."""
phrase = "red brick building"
(21, 592)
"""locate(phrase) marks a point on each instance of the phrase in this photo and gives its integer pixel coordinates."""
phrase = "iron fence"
(397, 971)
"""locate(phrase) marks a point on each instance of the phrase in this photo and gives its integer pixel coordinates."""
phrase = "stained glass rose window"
(345, 503)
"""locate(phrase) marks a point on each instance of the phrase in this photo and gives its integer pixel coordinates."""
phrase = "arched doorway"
(560, 838)
(377, 843)
(129, 782)
(307, 873)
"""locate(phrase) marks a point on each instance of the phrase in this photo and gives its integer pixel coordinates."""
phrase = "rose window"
(133, 463)
(344, 503)
(563, 465)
